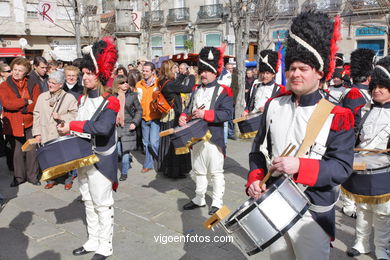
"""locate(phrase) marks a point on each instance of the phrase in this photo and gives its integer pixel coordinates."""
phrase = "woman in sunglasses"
(128, 118)
(5, 71)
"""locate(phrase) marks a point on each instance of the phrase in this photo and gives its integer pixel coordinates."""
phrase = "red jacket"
(17, 113)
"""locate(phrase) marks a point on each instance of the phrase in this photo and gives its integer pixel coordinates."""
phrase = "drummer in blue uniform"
(265, 86)
(97, 117)
(370, 188)
(208, 156)
(358, 100)
(328, 163)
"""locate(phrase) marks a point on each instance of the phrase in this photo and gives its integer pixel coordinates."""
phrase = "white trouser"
(208, 159)
(306, 240)
(379, 216)
(96, 192)
(349, 206)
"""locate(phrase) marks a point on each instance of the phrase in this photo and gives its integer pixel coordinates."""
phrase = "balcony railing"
(287, 7)
(210, 13)
(153, 18)
(322, 5)
(364, 5)
(178, 16)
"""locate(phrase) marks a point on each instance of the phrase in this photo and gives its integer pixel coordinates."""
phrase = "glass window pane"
(180, 39)
(213, 39)
(375, 45)
(156, 41)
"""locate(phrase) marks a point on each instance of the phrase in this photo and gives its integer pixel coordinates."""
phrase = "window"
(156, 45)
(32, 11)
(179, 43)
(5, 9)
(375, 45)
(179, 4)
(213, 39)
(155, 5)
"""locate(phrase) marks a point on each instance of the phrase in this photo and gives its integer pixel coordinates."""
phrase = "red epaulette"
(343, 119)
(113, 104)
(227, 90)
(354, 93)
(194, 87)
(326, 90)
(282, 89)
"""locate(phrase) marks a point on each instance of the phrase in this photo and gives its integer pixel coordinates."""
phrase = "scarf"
(120, 118)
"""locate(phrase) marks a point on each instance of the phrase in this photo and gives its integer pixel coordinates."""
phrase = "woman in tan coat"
(52, 106)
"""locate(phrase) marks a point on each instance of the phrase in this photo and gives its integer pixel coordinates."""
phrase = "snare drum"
(63, 154)
(259, 223)
(186, 136)
(248, 128)
(372, 184)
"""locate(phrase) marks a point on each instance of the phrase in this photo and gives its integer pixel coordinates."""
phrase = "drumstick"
(377, 152)
(287, 151)
(172, 130)
(243, 118)
(190, 116)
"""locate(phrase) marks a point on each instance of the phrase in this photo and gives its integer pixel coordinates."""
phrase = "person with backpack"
(18, 100)
(170, 164)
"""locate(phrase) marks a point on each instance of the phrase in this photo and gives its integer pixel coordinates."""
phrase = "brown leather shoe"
(68, 186)
(146, 170)
(50, 185)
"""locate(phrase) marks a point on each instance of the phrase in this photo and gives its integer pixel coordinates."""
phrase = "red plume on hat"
(107, 58)
(333, 46)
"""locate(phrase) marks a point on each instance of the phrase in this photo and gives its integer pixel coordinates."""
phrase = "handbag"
(159, 102)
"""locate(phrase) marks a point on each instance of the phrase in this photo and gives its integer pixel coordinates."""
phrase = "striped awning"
(11, 52)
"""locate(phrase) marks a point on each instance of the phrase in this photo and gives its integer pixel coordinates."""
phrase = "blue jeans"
(151, 140)
(127, 159)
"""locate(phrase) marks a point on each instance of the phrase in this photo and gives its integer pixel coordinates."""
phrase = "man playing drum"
(328, 163)
(264, 87)
(208, 156)
(370, 188)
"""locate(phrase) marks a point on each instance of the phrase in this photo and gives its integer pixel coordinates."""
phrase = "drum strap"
(380, 137)
(316, 121)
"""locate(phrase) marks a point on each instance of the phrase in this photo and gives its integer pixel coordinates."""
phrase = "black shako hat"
(210, 59)
(312, 40)
(362, 62)
(268, 61)
(381, 74)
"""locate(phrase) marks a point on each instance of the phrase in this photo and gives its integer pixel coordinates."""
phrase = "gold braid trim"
(186, 149)
(248, 135)
(61, 169)
(375, 199)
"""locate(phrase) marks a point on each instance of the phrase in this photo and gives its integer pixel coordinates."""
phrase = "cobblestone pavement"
(48, 224)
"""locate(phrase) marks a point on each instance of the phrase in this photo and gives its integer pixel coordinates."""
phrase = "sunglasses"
(123, 82)
(7, 71)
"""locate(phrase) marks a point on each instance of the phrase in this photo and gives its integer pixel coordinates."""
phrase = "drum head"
(259, 223)
(373, 162)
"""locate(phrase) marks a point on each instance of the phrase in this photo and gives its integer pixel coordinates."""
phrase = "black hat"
(339, 59)
(210, 59)
(312, 40)
(268, 61)
(100, 58)
(381, 73)
(362, 62)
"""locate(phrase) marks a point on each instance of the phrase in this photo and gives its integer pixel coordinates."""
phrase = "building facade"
(44, 28)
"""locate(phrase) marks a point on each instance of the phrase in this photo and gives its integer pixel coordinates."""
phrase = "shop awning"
(11, 52)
